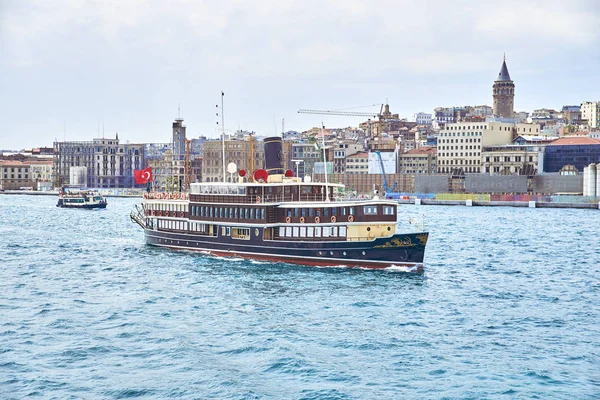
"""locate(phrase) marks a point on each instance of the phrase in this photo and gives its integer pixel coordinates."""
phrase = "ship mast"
(324, 162)
(223, 133)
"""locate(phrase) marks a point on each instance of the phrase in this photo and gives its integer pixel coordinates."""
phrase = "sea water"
(507, 307)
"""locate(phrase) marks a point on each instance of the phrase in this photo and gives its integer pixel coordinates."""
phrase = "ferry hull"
(84, 206)
(402, 250)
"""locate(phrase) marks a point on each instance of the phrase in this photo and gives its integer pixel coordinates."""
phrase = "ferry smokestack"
(274, 155)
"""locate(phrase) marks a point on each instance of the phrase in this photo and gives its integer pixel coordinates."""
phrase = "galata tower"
(504, 93)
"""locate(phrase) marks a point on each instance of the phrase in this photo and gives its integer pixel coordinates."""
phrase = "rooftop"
(574, 141)
(503, 75)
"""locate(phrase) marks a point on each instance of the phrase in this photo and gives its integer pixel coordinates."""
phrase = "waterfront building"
(571, 114)
(15, 175)
(178, 140)
(460, 144)
(341, 151)
(246, 151)
(504, 93)
(590, 111)
(512, 159)
(443, 116)
(422, 160)
(41, 171)
(578, 152)
(109, 163)
(357, 163)
(422, 118)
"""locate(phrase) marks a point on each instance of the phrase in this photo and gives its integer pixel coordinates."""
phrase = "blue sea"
(507, 308)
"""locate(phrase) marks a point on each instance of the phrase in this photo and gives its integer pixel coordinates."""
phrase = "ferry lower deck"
(406, 250)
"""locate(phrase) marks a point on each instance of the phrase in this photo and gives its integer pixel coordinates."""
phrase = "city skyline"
(75, 72)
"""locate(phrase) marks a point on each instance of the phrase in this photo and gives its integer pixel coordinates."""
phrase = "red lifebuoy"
(175, 196)
(333, 218)
(288, 219)
(302, 219)
(153, 212)
(166, 213)
(317, 220)
(181, 214)
(160, 213)
(350, 218)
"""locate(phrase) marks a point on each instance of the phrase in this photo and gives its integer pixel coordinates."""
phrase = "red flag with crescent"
(143, 175)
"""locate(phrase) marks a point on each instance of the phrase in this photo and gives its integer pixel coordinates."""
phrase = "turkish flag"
(143, 175)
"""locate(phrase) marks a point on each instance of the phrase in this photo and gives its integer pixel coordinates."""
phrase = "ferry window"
(370, 210)
(326, 212)
(342, 231)
(311, 212)
(262, 213)
(240, 233)
(296, 212)
(283, 212)
(304, 212)
(326, 231)
(351, 210)
(235, 213)
(247, 213)
(317, 231)
(343, 211)
(311, 231)
(288, 231)
(302, 231)
(334, 231)
(252, 211)
(230, 212)
(289, 212)
(295, 231)
(318, 212)
(334, 211)
(388, 210)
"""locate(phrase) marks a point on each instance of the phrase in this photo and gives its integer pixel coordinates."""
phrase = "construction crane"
(386, 188)
(342, 113)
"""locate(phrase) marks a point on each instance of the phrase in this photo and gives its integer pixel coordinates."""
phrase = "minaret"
(504, 93)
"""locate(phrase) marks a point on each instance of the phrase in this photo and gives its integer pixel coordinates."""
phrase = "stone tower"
(504, 93)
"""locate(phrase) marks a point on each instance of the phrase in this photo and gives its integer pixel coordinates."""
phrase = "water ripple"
(503, 309)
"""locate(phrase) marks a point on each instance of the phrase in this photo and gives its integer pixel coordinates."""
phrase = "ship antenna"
(325, 162)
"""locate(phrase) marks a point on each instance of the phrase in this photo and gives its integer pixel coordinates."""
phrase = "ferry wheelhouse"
(281, 219)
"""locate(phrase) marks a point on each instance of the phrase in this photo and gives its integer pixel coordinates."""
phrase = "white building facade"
(590, 111)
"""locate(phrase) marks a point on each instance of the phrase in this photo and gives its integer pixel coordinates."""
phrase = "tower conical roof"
(503, 75)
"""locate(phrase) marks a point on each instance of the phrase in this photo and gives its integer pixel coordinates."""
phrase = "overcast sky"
(127, 64)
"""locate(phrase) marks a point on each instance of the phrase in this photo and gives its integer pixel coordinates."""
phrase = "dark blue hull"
(84, 206)
(405, 250)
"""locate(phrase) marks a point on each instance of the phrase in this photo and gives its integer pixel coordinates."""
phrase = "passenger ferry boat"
(80, 198)
(280, 218)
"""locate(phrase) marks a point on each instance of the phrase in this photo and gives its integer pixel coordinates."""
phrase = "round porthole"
(320, 253)
(344, 253)
(331, 252)
(364, 253)
(389, 228)
(256, 232)
(368, 229)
